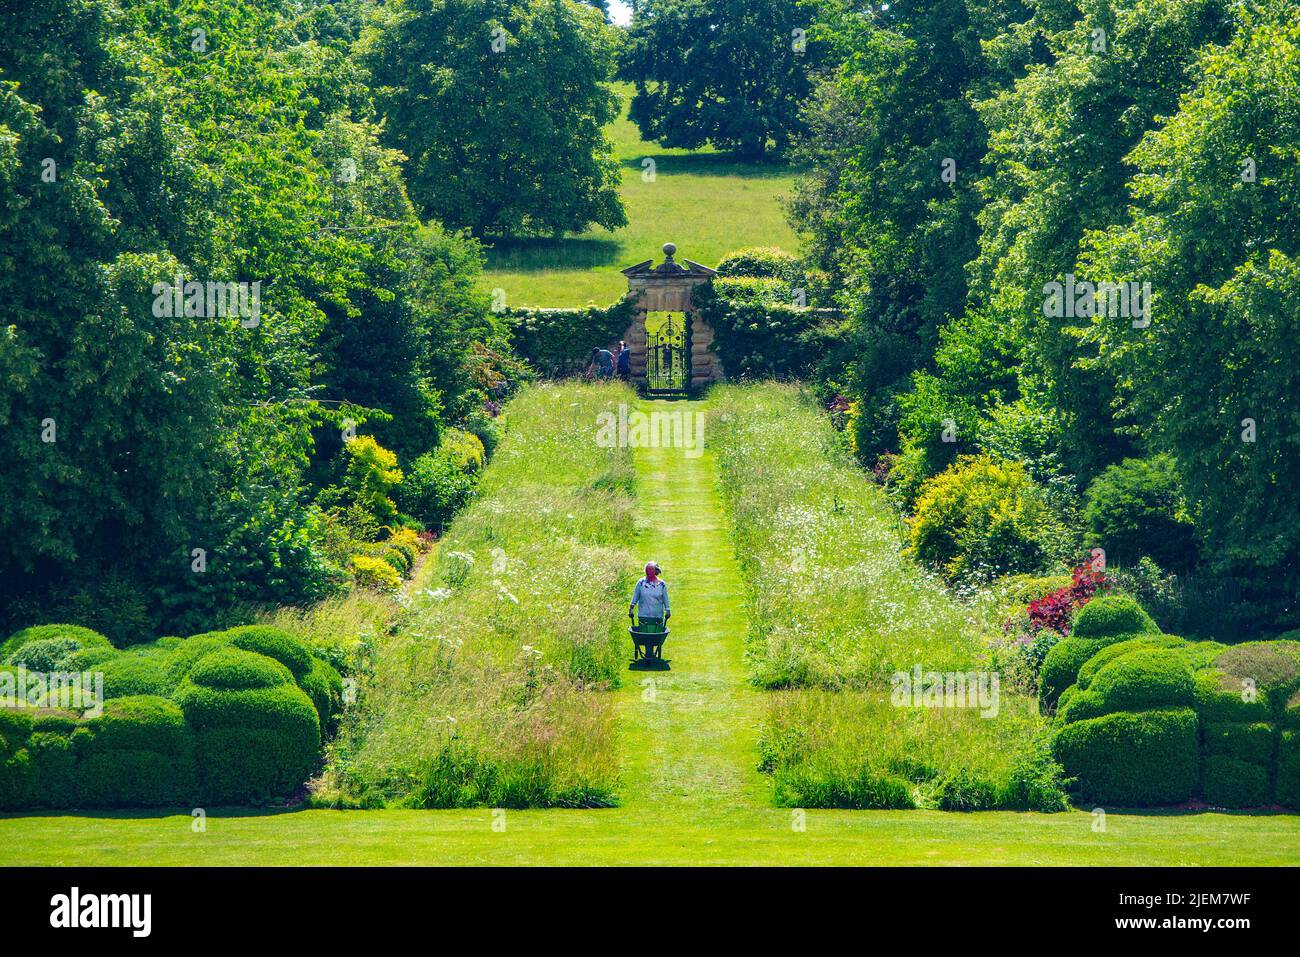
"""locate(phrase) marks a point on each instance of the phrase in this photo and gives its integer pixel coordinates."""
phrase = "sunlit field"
(705, 202)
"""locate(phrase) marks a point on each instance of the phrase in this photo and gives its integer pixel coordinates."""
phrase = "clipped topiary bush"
(1077, 704)
(1112, 616)
(1231, 782)
(1255, 742)
(236, 669)
(1133, 758)
(138, 752)
(1253, 681)
(324, 686)
(255, 743)
(127, 675)
(1286, 788)
(57, 780)
(1221, 698)
(274, 643)
(1061, 666)
(18, 781)
(45, 654)
(1109, 653)
(84, 638)
(1143, 679)
(190, 651)
(87, 658)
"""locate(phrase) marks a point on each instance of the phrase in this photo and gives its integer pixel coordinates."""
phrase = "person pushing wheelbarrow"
(649, 611)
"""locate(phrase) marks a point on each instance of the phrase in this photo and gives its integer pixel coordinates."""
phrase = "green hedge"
(1061, 666)
(139, 752)
(1287, 785)
(1144, 679)
(761, 262)
(254, 744)
(273, 643)
(129, 675)
(235, 669)
(1111, 616)
(558, 342)
(1109, 653)
(84, 637)
(1231, 782)
(324, 686)
(1133, 759)
(188, 653)
(1255, 742)
(242, 723)
(1111, 717)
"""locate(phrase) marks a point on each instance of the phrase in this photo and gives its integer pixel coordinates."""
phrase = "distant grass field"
(705, 202)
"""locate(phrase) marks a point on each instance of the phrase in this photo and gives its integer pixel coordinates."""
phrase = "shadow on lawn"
(151, 813)
(711, 164)
(1192, 811)
(541, 254)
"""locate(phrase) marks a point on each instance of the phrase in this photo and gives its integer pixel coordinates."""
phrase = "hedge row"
(226, 717)
(1148, 718)
(558, 342)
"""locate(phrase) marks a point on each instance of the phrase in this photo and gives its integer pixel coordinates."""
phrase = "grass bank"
(837, 609)
(492, 690)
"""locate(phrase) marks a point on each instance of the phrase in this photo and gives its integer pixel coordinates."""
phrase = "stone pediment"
(669, 268)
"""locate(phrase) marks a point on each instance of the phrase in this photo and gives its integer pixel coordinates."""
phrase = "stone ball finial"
(669, 249)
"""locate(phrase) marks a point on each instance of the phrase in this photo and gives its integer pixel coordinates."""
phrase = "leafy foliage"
(500, 107)
(729, 73)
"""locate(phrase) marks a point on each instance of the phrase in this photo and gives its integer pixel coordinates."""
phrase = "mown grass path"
(689, 734)
(691, 794)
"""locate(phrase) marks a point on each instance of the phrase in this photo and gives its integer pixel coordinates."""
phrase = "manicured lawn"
(689, 787)
(705, 202)
(707, 834)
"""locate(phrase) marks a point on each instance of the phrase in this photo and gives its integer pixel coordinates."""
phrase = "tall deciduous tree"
(889, 201)
(731, 73)
(500, 106)
(1215, 228)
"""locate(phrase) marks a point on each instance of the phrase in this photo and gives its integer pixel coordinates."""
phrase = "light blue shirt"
(651, 599)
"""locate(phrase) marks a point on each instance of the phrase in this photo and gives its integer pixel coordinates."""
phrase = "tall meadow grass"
(833, 602)
(490, 691)
(836, 610)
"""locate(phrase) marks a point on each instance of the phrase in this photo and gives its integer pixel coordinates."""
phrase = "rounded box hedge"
(1133, 758)
(223, 717)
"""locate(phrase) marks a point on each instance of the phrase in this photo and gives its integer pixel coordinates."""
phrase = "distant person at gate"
(650, 599)
(602, 364)
(624, 362)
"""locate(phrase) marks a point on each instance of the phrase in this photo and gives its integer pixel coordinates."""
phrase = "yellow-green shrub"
(981, 517)
(370, 572)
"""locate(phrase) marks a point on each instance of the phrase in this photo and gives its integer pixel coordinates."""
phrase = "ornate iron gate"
(667, 367)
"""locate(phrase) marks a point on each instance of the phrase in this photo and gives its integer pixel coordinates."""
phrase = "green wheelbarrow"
(648, 637)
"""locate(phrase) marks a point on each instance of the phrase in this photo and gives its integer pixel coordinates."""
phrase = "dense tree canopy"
(1215, 227)
(159, 455)
(1140, 144)
(500, 106)
(731, 73)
